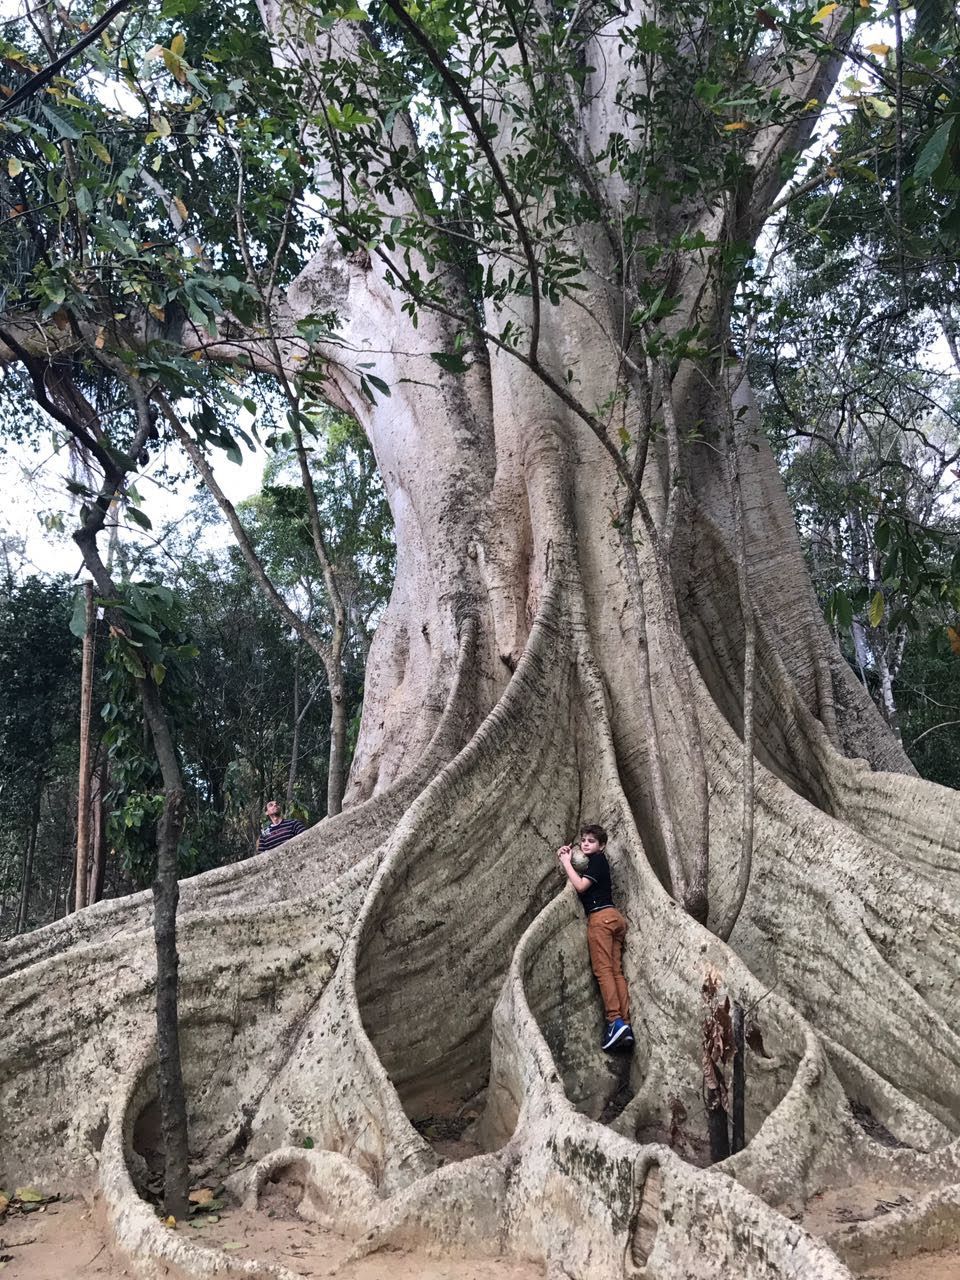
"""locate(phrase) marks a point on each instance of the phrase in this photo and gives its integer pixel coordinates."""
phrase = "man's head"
(274, 811)
(592, 838)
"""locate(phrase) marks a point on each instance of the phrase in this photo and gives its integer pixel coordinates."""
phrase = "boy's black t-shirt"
(600, 894)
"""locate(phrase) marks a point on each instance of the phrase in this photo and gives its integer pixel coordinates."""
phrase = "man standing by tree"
(278, 829)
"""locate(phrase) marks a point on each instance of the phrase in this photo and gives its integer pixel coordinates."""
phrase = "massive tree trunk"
(417, 953)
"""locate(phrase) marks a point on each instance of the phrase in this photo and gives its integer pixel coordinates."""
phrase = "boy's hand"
(565, 852)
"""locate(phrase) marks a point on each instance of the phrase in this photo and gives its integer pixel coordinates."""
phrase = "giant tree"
(512, 237)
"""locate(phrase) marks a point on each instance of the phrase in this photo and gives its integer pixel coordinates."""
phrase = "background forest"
(249, 700)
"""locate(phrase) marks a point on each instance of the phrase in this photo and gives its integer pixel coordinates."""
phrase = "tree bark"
(166, 896)
(100, 785)
(337, 766)
(83, 787)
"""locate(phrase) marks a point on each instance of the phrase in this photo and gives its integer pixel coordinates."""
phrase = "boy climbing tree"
(606, 930)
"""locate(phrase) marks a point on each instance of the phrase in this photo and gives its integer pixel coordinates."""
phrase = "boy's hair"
(592, 829)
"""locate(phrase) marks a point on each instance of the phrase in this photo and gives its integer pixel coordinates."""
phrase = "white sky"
(33, 486)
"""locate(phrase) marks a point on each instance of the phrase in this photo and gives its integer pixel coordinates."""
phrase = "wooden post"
(739, 1083)
(717, 1129)
(83, 788)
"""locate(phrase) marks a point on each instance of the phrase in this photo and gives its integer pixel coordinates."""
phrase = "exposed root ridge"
(237, 1018)
(929, 1224)
(811, 877)
(362, 1114)
(151, 1247)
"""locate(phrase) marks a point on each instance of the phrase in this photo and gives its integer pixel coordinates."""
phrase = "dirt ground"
(828, 1213)
(63, 1242)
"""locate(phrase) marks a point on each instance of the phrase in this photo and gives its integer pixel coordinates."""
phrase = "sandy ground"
(828, 1213)
(63, 1242)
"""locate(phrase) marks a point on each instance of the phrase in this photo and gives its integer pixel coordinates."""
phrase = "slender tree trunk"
(98, 830)
(166, 892)
(83, 789)
(28, 855)
(64, 858)
(70, 900)
(3, 894)
(166, 895)
(337, 770)
(861, 650)
(888, 703)
(295, 744)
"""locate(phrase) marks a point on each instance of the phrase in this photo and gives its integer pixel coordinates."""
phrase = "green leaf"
(934, 149)
(931, 19)
(78, 619)
(450, 361)
(54, 289)
(63, 127)
(14, 166)
(875, 612)
(99, 150)
(883, 109)
(131, 661)
(840, 609)
(158, 671)
(144, 628)
(139, 518)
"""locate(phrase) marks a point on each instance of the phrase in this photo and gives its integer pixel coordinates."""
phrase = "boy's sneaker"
(619, 1036)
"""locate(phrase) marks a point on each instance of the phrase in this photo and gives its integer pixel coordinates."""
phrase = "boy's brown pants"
(606, 930)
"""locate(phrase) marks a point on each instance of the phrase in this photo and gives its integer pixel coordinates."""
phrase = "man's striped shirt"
(277, 832)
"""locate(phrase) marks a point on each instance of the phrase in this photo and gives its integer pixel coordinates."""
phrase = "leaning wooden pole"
(83, 788)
